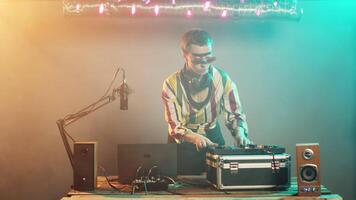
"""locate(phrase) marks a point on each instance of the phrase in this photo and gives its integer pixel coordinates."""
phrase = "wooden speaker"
(85, 165)
(308, 169)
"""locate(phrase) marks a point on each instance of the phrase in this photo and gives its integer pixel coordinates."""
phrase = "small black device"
(149, 185)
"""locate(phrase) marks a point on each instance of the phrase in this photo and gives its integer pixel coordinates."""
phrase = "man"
(197, 94)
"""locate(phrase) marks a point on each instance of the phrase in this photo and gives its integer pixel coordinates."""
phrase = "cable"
(70, 118)
(133, 187)
(149, 171)
(110, 184)
(137, 171)
(133, 183)
(171, 179)
(113, 80)
(144, 183)
(275, 171)
(91, 107)
(109, 88)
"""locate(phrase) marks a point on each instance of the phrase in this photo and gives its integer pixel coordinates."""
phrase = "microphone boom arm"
(71, 118)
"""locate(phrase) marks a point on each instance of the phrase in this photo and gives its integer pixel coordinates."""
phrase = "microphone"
(124, 100)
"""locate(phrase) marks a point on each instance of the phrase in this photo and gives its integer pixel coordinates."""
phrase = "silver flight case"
(227, 172)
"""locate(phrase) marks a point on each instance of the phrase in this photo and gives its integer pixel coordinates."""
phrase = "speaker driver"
(308, 154)
(309, 173)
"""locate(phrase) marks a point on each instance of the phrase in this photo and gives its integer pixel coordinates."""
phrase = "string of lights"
(237, 9)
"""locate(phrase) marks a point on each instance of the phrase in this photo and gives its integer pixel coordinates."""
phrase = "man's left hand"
(243, 140)
(241, 137)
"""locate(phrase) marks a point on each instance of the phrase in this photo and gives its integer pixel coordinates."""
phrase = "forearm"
(237, 126)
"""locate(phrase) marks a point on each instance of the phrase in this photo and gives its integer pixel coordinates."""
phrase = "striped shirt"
(183, 117)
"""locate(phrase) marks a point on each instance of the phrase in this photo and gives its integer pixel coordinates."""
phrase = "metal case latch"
(275, 165)
(234, 167)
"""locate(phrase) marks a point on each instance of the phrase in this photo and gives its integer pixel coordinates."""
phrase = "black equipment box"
(262, 167)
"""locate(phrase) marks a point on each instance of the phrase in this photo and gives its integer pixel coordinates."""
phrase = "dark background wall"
(296, 81)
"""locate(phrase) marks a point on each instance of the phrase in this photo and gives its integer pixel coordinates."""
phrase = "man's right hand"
(200, 141)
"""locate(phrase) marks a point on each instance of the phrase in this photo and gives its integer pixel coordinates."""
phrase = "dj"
(198, 93)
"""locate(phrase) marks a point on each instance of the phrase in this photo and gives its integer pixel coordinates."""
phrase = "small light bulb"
(156, 10)
(133, 9)
(77, 7)
(275, 3)
(101, 8)
(206, 5)
(189, 13)
(258, 12)
(224, 13)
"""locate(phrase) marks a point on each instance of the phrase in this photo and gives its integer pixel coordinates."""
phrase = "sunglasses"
(202, 58)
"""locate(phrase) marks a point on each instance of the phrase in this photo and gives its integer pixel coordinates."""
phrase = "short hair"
(197, 37)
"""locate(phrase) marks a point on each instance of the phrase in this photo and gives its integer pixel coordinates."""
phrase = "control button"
(315, 189)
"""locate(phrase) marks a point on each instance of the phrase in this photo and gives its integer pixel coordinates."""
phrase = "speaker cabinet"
(308, 169)
(85, 165)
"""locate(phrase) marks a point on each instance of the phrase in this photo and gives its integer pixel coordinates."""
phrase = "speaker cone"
(309, 173)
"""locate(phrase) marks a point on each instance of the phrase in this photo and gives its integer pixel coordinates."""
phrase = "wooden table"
(192, 188)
